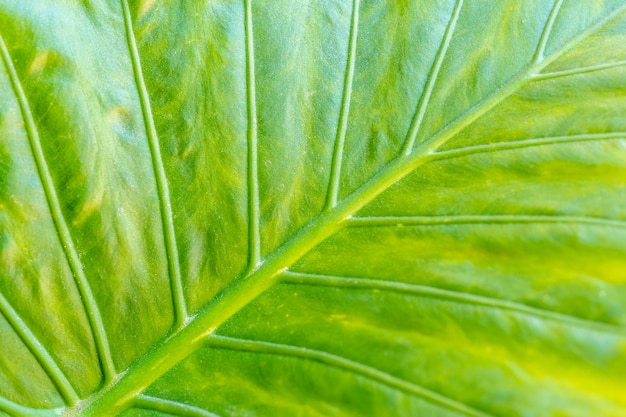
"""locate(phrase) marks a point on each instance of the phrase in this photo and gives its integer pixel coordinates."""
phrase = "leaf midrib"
(244, 289)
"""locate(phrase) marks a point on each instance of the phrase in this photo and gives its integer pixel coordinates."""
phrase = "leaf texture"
(312, 208)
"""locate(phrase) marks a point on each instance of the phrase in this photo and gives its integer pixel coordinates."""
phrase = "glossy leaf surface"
(313, 208)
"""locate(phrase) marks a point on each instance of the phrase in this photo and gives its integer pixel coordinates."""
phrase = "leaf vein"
(170, 407)
(17, 410)
(65, 238)
(432, 79)
(167, 218)
(303, 278)
(526, 143)
(546, 32)
(254, 234)
(577, 71)
(392, 221)
(255, 346)
(342, 127)
(40, 353)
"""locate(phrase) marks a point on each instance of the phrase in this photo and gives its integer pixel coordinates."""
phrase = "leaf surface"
(329, 208)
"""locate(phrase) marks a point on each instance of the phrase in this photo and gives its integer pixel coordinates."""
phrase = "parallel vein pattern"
(180, 307)
(326, 358)
(335, 167)
(245, 289)
(65, 238)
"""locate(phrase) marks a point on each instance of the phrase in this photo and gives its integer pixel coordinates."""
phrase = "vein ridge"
(577, 71)
(335, 168)
(171, 407)
(432, 79)
(167, 218)
(386, 221)
(254, 234)
(41, 354)
(65, 238)
(547, 31)
(255, 346)
(304, 278)
(17, 410)
(525, 143)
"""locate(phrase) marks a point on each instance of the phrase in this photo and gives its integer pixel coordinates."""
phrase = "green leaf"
(322, 208)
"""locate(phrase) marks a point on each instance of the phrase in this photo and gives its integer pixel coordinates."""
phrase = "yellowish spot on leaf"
(145, 6)
(38, 63)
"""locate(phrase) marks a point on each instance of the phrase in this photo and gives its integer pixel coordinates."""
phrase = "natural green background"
(313, 208)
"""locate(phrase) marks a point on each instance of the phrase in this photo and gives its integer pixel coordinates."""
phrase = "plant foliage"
(312, 208)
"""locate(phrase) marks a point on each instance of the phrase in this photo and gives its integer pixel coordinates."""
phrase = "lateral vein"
(526, 143)
(255, 346)
(432, 79)
(65, 238)
(577, 71)
(170, 407)
(547, 31)
(387, 221)
(254, 234)
(335, 168)
(16, 410)
(304, 278)
(167, 218)
(40, 353)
